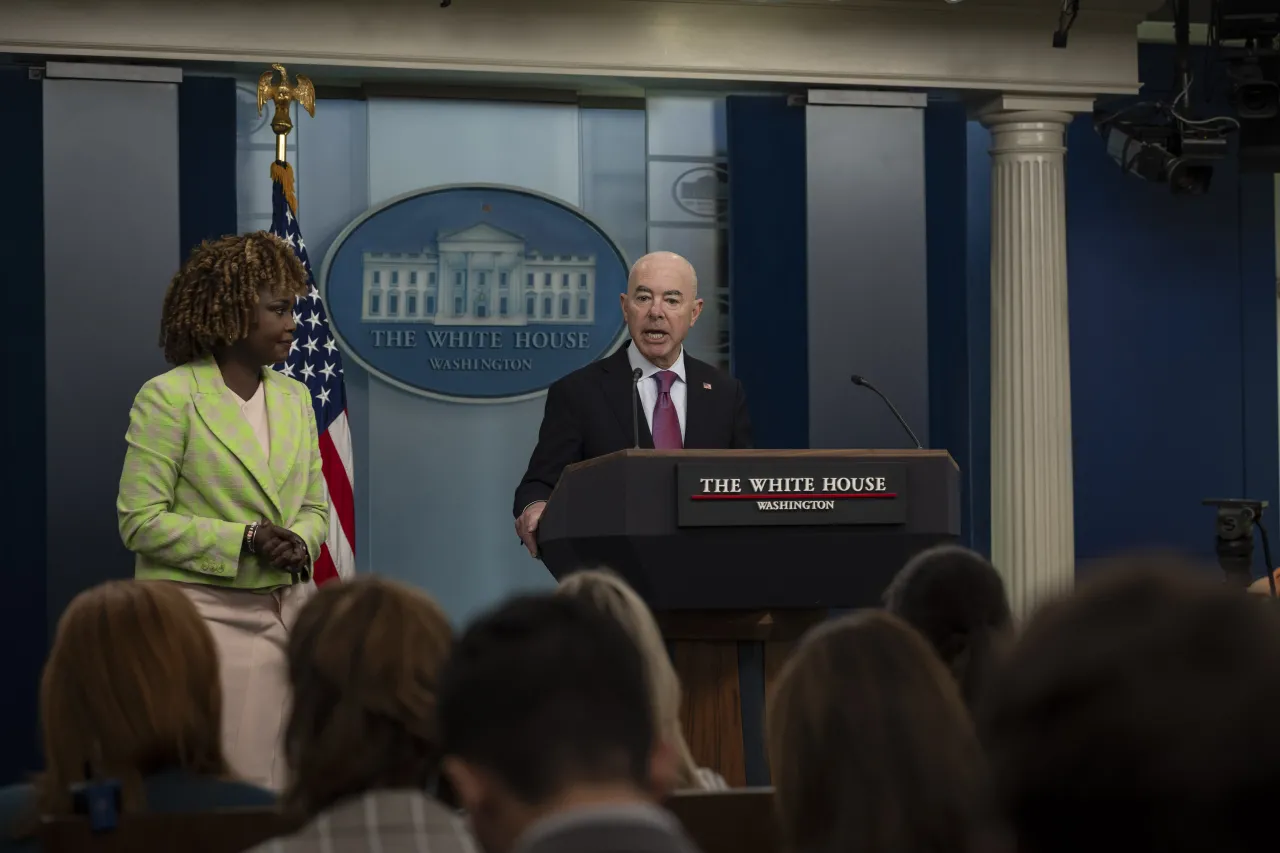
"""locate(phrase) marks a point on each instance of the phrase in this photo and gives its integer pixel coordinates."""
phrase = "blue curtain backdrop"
(1173, 344)
(206, 159)
(768, 265)
(22, 606)
(947, 191)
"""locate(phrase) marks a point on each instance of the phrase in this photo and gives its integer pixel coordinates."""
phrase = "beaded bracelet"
(250, 535)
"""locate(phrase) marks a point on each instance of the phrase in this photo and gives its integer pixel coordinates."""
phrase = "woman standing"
(221, 490)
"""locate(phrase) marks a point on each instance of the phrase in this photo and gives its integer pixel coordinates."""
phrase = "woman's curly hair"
(211, 300)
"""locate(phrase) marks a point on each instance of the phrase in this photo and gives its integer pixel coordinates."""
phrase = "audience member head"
(130, 689)
(661, 305)
(1140, 715)
(364, 664)
(611, 595)
(543, 707)
(870, 744)
(233, 296)
(956, 599)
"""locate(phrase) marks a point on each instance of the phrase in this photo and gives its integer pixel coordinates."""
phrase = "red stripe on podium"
(809, 496)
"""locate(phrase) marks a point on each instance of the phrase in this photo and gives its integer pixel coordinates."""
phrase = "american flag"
(314, 360)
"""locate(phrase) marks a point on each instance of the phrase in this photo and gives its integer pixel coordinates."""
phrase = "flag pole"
(282, 94)
(318, 363)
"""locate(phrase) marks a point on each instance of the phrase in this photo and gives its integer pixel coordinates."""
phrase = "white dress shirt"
(649, 386)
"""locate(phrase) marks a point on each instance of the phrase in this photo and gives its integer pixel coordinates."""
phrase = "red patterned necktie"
(666, 423)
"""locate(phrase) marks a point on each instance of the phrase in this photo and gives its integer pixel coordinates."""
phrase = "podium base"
(728, 661)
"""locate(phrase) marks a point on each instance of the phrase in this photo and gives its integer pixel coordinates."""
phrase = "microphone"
(863, 381)
(635, 410)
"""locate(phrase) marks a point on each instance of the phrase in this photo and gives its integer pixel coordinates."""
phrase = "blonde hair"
(131, 688)
(609, 593)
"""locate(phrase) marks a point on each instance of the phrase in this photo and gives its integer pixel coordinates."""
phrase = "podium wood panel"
(711, 714)
(704, 650)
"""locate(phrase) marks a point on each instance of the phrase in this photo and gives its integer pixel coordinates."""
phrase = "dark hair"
(1140, 714)
(545, 692)
(956, 599)
(870, 745)
(211, 300)
(364, 664)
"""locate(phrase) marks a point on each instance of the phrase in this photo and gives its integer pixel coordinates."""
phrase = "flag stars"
(306, 362)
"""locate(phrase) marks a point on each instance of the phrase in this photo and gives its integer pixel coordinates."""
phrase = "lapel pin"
(706, 385)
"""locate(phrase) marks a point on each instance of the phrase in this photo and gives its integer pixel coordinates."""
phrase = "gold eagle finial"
(304, 92)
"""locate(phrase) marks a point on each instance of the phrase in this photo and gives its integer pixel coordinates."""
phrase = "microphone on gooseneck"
(636, 375)
(862, 380)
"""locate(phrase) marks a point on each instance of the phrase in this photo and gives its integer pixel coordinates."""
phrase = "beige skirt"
(251, 631)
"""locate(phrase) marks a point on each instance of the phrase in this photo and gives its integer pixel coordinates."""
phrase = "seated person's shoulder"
(19, 794)
(14, 801)
(17, 810)
(179, 792)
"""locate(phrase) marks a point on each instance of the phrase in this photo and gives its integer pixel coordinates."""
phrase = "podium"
(739, 552)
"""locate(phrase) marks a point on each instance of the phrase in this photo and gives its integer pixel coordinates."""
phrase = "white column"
(1032, 516)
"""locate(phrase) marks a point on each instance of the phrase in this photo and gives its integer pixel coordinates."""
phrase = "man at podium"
(649, 393)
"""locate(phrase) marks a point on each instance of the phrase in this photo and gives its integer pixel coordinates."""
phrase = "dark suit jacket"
(588, 414)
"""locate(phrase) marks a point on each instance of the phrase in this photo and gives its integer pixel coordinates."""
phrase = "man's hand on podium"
(527, 526)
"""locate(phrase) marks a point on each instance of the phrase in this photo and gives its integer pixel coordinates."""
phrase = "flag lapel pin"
(706, 386)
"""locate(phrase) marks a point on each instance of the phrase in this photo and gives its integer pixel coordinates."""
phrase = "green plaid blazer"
(194, 476)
